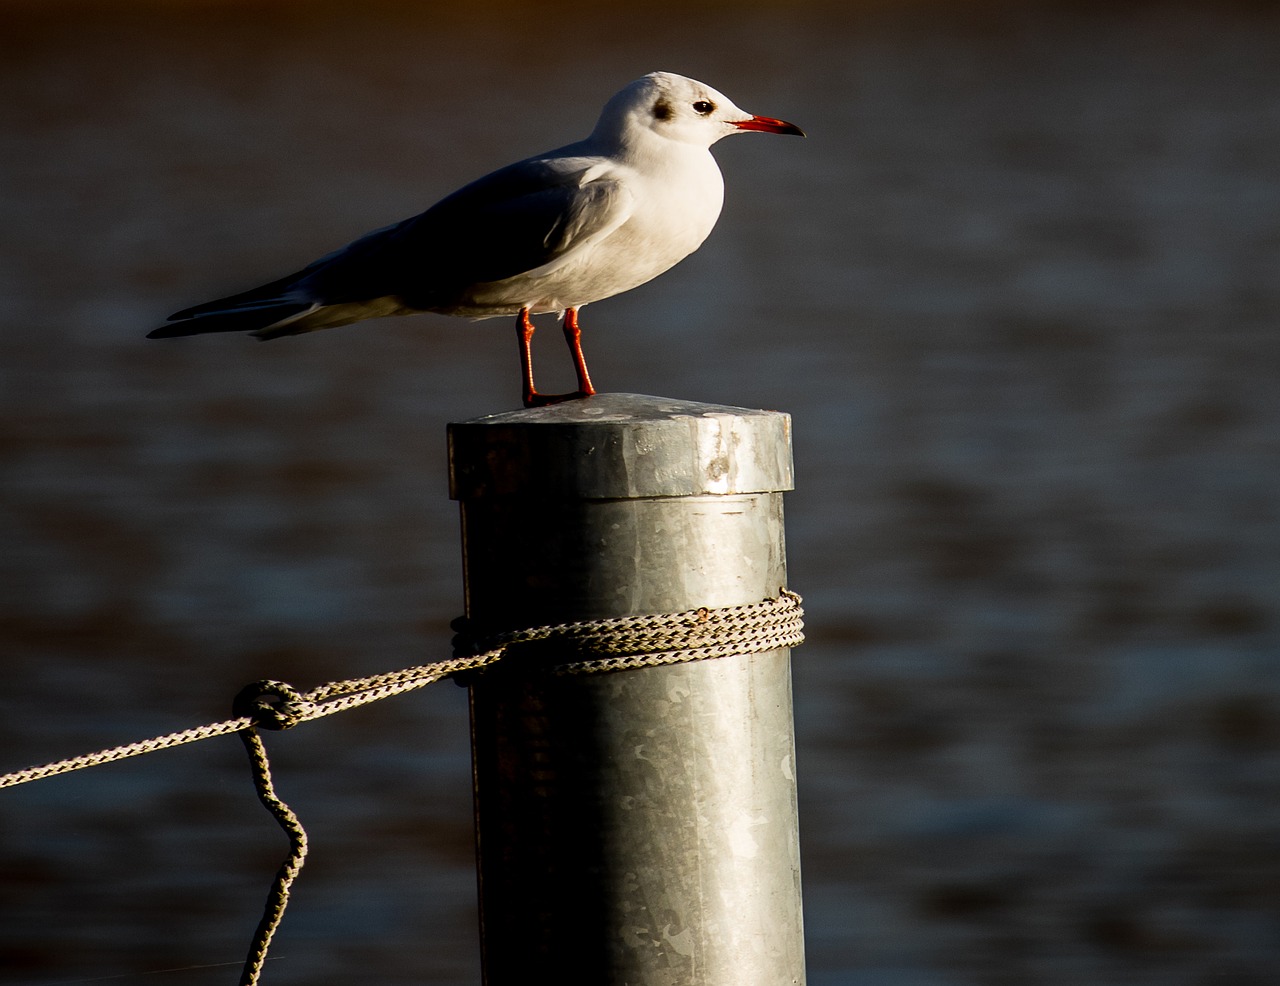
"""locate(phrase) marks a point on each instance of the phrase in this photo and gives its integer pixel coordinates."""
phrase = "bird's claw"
(542, 400)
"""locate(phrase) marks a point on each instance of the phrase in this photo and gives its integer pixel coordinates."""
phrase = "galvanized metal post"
(636, 827)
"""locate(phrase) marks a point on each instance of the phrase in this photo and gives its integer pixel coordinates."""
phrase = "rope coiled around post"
(587, 647)
(620, 643)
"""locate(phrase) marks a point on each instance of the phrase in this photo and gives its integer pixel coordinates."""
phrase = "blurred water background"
(1018, 289)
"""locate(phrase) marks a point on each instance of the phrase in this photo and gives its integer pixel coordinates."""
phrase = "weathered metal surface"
(636, 827)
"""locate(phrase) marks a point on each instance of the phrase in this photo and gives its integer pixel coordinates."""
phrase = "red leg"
(524, 336)
(573, 336)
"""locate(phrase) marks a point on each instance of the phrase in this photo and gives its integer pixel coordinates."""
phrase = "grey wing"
(518, 220)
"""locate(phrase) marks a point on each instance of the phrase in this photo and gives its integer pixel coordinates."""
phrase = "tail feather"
(277, 292)
(348, 285)
(267, 320)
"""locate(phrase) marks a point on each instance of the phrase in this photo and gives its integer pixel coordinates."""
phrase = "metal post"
(635, 827)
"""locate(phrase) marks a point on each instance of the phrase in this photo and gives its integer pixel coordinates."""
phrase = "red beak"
(769, 125)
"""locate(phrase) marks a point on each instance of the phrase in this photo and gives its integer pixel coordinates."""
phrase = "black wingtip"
(229, 320)
(179, 326)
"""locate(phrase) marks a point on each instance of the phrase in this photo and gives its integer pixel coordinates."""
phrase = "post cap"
(621, 446)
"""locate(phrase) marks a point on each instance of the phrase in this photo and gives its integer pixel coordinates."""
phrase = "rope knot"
(272, 705)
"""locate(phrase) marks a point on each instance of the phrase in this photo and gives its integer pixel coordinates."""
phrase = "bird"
(551, 233)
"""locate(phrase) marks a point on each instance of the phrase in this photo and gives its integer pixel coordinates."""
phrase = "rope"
(123, 752)
(595, 646)
(627, 642)
(278, 898)
(269, 705)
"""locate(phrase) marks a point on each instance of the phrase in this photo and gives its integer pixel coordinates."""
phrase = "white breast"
(677, 201)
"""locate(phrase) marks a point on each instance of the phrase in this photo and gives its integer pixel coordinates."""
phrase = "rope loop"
(621, 643)
(273, 705)
(566, 648)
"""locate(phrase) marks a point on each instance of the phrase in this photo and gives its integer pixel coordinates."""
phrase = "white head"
(678, 109)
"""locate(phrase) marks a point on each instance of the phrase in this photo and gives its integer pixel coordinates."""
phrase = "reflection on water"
(1019, 291)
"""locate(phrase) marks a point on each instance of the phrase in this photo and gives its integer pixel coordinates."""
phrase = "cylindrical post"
(635, 827)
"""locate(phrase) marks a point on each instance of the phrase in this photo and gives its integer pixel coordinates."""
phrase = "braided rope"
(278, 897)
(598, 645)
(628, 642)
(595, 646)
(270, 705)
(193, 735)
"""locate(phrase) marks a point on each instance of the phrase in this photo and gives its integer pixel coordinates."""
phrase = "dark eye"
(704, 107)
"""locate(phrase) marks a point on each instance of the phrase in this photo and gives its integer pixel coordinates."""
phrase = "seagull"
(551, 233)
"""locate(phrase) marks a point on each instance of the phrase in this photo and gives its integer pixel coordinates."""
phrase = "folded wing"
(526, 219)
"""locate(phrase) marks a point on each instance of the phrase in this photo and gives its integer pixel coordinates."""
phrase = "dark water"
(1020, 292)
